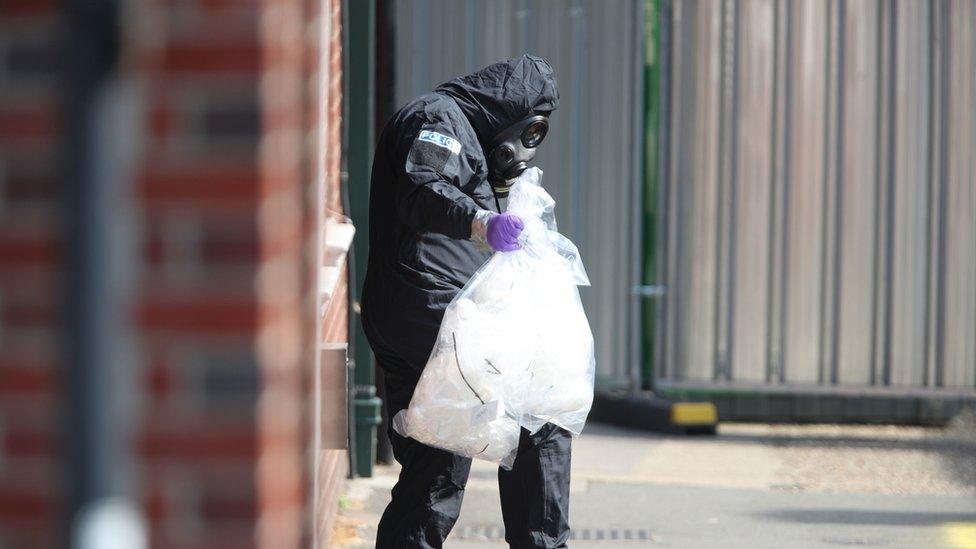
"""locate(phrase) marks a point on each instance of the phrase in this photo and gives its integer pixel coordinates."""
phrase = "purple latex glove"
(503, 232)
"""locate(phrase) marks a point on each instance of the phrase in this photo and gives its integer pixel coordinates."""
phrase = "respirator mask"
(512, 150)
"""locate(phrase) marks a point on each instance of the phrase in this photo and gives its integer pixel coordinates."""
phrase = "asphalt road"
(752, 486)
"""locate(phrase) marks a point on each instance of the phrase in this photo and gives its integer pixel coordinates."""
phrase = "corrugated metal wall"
(591, 157)
(820, 187)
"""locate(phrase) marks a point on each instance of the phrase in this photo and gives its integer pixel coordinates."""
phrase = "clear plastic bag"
(514, 348)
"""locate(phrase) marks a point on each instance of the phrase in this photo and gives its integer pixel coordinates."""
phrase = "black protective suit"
(429, 179)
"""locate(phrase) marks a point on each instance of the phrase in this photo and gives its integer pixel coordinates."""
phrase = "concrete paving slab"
(754, 486)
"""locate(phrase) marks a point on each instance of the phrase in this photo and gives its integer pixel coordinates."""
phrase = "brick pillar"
(226, 219)
(199, 314)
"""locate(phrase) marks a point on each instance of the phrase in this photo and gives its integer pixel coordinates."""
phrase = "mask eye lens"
(504, 155)
(534, 134)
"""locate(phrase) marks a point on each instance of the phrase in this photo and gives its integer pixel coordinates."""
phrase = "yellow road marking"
(693, 413)
(960, 535)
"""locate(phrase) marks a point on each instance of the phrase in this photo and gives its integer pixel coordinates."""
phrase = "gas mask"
(512, 150)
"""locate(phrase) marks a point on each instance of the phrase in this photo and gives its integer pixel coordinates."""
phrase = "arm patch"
(434, 150)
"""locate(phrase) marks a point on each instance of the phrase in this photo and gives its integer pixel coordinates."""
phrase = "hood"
(504, 93)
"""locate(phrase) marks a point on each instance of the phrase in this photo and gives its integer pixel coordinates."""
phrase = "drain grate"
(855, 541)
(487, 533)
(611, 534)
(497, 533)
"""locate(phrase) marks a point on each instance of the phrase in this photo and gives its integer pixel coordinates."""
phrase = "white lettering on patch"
(440, 140)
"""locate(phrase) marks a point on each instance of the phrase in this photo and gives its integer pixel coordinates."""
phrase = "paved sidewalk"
(754, 486)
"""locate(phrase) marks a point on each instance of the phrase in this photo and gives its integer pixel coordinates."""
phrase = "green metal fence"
(819, 188)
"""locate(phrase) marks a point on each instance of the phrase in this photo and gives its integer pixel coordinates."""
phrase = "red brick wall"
(226, 203)
(32, 486)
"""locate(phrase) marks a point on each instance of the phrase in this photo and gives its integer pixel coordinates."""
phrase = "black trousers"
(427, 496)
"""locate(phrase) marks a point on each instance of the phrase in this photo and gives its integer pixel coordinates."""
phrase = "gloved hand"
(503, 232)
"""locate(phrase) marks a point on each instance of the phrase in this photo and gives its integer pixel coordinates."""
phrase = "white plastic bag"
(514, 348)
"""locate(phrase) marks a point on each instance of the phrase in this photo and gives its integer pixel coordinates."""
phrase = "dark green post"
(652, 103)
(360, 40)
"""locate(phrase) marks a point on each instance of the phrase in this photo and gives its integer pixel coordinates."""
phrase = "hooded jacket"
(429, 180)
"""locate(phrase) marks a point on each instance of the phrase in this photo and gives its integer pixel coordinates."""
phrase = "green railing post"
(360, 40)
(652, 20)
